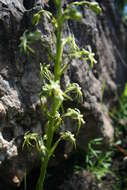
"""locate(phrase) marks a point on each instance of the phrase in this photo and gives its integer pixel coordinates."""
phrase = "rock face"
(81, 180)
(20, 81)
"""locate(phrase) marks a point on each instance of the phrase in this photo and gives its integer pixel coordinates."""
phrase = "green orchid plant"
(51, 88)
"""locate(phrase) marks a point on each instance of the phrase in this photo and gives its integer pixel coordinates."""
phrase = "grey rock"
(82, 180)
(7, 149)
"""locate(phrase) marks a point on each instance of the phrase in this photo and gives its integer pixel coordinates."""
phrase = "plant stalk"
(58, 57)
(44, 164)
(50, 126)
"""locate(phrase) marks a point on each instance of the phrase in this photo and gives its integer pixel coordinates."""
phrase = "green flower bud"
(75, 14)
(95, 7)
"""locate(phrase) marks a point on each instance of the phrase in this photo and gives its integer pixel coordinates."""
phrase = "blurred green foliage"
(121, 4)
(119, 114)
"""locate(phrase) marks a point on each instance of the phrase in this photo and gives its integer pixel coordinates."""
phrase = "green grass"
(96, 161)
(119, 118)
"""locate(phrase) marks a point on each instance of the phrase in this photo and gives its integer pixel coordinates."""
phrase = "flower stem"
(43, 169)
(51, 124)
(58, 57)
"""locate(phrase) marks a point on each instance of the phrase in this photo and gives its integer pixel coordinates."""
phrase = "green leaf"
(125, 91)
(57, 2)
